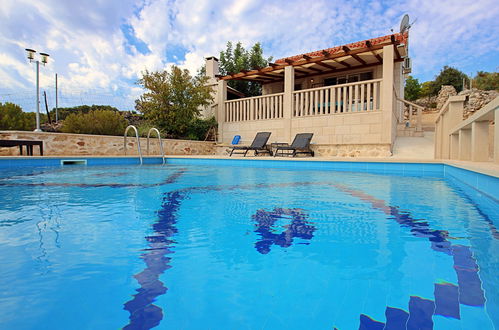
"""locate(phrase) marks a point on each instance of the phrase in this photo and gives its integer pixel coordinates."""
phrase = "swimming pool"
(207, 245)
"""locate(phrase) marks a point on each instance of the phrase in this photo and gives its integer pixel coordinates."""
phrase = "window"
(330, 81)
(349, 78)
(353, 78)
(366, 76)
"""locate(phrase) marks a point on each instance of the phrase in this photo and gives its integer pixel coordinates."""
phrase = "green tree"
(234, 60)
(486, 81)
(12, 117)
(412, 90)
(449, 76)
(173, 99)
(101, 122)
(427, 89)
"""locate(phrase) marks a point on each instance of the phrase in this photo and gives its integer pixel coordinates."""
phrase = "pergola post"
(387, 94)
(221, 98)
(289, 85)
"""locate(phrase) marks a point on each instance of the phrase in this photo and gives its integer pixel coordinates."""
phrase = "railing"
(153, 129)
(353, 97)
(412, 114)
(137, 139)
(468, 139)
(254, 108)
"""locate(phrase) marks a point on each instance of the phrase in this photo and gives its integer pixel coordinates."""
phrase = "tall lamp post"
(44, 59)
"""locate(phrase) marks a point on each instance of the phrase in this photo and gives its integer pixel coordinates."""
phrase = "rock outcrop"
(445, 92)
(476, 99)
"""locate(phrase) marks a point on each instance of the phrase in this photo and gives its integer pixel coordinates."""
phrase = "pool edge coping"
(485, 168)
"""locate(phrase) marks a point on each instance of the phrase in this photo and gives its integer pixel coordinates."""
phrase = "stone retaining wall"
(62, 144)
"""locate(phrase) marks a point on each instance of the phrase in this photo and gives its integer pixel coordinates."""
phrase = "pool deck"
(487, 168)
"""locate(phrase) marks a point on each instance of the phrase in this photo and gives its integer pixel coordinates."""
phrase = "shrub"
(198, 128)
(144, 127)
(63, 113)
(486, 81)
(101, 122)
(12, 117)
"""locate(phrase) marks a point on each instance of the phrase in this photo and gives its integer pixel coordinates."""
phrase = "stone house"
(348, 96)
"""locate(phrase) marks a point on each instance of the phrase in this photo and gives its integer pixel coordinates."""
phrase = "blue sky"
(100, 47)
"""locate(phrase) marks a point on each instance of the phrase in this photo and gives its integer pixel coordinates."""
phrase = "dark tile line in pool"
(143, 313)
(447, 296)
(146, 315)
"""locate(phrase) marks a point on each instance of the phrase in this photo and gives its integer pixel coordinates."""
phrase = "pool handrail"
(154, 129)
(138, 140)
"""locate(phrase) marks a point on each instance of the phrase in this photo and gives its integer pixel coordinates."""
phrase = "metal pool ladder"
(160, 142)
(138, 141)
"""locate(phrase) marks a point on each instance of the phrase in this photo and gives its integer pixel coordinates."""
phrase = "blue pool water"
(205, 247)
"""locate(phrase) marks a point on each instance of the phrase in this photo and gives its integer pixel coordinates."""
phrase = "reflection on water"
(265, 227)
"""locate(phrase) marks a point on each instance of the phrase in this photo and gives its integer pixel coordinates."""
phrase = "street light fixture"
(44, 60)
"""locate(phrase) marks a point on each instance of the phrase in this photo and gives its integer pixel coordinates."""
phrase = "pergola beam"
(370, 46)
(301, 62)
(355, 56)
(312, 69)
(300, 70)
(394, 42)
(265, 74)
(342, 63)
(325, 65)
(339, 70)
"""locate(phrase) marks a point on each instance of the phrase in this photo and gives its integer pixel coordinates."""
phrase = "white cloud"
(90, 51)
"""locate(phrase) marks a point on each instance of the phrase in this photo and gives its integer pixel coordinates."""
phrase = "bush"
(12, 117)
(486, 81)
(198, 128)
(144, 127)
(101, 122)
(63, 113)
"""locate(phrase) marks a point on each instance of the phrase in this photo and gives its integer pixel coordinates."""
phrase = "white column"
(437, 154)
(454, 146)
(387, 95)
(480, 141)
(464, 144)
(289, 86)
(222, 97)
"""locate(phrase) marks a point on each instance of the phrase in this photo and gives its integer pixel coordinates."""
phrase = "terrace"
(345, 95)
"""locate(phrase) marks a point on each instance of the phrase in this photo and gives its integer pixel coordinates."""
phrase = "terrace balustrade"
(338, 99)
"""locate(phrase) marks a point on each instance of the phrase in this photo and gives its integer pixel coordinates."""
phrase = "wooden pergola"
(358, 55)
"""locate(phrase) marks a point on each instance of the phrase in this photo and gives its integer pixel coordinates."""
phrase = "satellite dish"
(404, 24)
